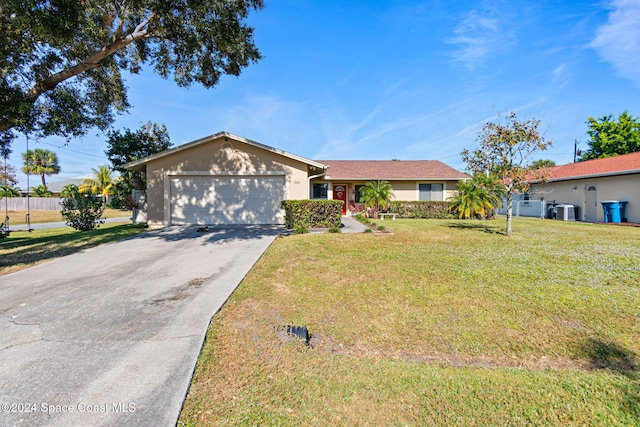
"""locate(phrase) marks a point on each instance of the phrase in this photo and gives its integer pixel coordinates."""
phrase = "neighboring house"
(586, 185)
(227, 179)
(57, 186)
(410, 179)
(54, 187)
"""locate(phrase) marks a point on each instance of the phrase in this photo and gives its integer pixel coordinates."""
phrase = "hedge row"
(312, 213)
(421, 209)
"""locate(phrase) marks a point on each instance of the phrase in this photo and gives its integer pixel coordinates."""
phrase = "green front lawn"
(441, 323)
(23, 249)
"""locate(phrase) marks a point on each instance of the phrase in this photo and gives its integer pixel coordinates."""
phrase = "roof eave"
(595, 175)
(331, 178)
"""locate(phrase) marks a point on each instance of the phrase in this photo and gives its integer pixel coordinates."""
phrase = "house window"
(320, 190)
(430, 192)
(357, 194)
(526, 198)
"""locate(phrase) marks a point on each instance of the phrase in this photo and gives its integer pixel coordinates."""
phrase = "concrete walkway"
(110, 336)
(350, 225)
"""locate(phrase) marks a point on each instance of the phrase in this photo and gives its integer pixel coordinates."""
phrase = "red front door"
(340, 193)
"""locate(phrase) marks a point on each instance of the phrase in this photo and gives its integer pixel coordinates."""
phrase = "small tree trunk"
(509, 212)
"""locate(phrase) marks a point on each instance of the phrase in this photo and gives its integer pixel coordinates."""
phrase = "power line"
(69, 149)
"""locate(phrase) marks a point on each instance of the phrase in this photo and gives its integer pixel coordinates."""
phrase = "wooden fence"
(35, 203)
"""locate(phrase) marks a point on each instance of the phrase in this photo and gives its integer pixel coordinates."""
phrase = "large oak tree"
(61, 61)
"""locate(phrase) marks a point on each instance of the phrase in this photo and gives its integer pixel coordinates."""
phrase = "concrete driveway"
(111, 335)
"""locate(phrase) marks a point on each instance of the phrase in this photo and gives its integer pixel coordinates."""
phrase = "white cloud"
(559, 76)
(480, 34)
(618, 41)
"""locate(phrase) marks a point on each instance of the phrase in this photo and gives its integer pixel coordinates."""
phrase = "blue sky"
(399, 79)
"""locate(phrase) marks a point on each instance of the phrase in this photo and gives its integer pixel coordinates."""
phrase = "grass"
(19, 217)
(23, 249)
(445, 323)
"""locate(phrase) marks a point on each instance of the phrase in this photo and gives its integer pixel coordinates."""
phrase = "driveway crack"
(15, 336)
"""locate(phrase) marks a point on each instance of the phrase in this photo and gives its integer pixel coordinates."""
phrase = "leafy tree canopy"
(61, 61)
(505, 151)
(610, 137)
(8, 175)
(542, 163)
(127, 145)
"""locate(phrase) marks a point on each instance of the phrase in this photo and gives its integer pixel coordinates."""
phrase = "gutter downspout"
(324, 172)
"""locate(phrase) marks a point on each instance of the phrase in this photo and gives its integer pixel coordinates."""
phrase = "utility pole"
(575, 150)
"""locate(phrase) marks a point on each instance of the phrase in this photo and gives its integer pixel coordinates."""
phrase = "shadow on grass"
(612, 357)
(481, 226)
(28, 250)
(615, 358)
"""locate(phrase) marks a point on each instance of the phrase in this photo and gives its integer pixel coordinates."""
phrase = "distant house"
(586, 185)
(228, 179)
(57, 186)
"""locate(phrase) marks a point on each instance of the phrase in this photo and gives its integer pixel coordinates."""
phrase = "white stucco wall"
(620, 188)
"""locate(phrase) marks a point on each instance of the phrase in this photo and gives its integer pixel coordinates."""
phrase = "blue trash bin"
(611, 211)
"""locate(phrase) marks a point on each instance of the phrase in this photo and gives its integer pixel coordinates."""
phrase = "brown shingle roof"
(390, 170)
(617, 165)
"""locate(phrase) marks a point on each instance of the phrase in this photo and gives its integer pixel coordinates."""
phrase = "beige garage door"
(226, 200)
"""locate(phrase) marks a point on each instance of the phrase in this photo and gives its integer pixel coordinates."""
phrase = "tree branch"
(92, 61)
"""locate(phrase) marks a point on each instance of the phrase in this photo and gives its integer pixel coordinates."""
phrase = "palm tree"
(101, 184)
(376, 194)
(6, 191)
(40, 162)
(494, 190)
(41, 191)
(69, 190)
(479, 196)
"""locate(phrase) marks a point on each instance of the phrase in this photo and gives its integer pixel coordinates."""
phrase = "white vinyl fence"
(35, 203)
(532, 208)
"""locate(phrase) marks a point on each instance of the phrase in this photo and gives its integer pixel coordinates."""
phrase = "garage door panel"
(227, 200)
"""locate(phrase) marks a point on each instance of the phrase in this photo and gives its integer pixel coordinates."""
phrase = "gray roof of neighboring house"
(56, 187)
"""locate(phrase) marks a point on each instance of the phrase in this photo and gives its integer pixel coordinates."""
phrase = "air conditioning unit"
(566, 213)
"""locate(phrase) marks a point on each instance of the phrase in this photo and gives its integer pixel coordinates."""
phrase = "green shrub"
(368, 230)
(430, 209)
(312, 213)
(335, 230)
(301, 230)
(380, 227)
(83, 211)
